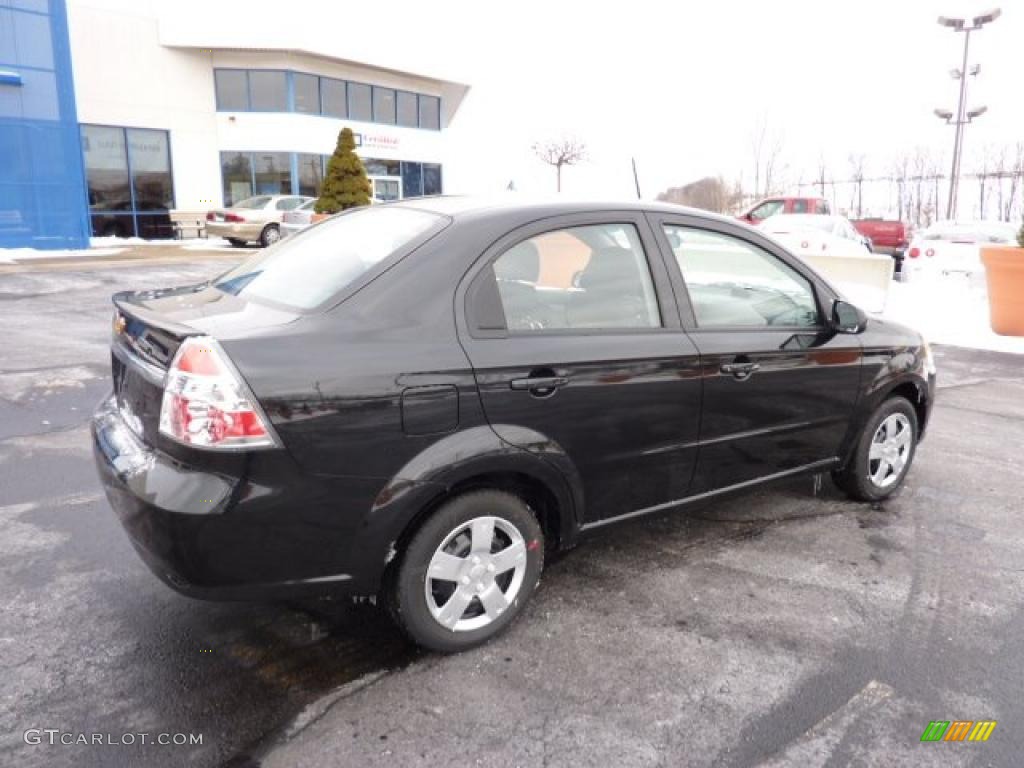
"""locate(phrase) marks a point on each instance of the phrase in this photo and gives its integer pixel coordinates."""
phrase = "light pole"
(962, 118)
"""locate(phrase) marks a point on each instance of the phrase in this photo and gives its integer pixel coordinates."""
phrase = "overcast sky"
(679, 85)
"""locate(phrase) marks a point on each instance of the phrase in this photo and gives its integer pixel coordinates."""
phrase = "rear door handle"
(740, 370)
(539, 383)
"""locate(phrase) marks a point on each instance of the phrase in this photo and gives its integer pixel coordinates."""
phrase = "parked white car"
(954, 247)
(298, 219)
(255, 218)
(812, 234)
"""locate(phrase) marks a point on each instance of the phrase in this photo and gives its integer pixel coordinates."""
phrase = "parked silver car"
(253, 219)
(298, 219)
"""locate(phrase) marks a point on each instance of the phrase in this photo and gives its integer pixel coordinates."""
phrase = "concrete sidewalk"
(174, 252)
(780, 628)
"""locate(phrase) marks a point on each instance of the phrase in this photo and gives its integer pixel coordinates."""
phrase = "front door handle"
(740, 370)
(539, 384)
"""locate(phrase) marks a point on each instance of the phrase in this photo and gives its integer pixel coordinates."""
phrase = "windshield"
(253, 202)
(308, 268)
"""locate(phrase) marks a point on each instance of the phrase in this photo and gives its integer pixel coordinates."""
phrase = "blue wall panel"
(42, 181)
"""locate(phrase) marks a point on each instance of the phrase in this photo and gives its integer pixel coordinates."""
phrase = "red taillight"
(234, 218)
(930, 252)
(211, 216)
(205, 403)
(915, 252)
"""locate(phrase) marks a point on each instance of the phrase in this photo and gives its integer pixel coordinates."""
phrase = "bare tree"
(710, 194)
(857, 161)
(560, 153)
(1016, 174)
(766, 147)
(822, 171)
(900, 171)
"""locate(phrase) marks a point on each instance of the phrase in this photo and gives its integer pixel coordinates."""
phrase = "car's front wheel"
(468, 571)
(883, 454)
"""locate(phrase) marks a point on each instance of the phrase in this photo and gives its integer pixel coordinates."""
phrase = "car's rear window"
(305, 270)
(252, 202)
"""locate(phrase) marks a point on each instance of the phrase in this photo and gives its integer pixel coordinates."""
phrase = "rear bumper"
(215, 536)
(246, 231)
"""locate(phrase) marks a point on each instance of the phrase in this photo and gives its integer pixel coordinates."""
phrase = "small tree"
(346, 184)
(559, 153)
(1020, 235)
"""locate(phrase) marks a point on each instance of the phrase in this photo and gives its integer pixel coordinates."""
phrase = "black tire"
(856, 478)
(236, 242)
(270, 235)
(408, 600)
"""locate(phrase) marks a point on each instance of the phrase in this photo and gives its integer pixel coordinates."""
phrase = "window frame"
(824, 293)
(479, 283)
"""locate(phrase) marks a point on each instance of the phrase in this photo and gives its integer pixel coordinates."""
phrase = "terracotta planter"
(1004, 271)
(319, 217)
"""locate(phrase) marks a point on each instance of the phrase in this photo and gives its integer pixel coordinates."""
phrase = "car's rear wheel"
(883, 454)
(270, 235)
(468, 571)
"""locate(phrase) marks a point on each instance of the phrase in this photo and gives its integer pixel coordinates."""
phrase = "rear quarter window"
(308, 268)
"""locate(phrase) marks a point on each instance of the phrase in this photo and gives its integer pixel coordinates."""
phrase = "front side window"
(305, 270)
(733, 283)
(592, 276)
(767, 209)
(799, 206)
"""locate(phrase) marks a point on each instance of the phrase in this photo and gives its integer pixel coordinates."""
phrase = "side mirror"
(846, 318)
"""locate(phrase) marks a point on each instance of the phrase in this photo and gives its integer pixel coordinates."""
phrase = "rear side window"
(579, 277)
(734, 283)
(306, 269)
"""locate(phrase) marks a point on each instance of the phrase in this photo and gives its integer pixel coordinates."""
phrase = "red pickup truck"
(889, 237)
(770, 206)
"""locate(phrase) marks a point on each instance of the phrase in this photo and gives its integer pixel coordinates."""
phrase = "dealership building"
(114, 113)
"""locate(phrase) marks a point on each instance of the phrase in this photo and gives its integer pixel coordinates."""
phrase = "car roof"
(482, 206)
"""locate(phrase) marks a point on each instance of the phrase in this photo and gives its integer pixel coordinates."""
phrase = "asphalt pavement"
(789, 626)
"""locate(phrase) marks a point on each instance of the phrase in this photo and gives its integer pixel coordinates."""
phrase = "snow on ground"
(13, 255)
(950, 309)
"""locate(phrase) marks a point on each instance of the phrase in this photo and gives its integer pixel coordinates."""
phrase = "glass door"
(386, 188)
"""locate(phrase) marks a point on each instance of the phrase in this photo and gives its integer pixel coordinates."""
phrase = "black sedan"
(419, 400)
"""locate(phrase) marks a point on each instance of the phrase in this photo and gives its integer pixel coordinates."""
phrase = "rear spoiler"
(130, 303)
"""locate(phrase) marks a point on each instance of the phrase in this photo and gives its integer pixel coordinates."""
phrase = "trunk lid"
(148, 328)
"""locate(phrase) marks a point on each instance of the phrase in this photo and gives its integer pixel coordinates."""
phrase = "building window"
(236, 172)
(431, 179)
(311, 174)
(430, 112)
(360, 102)
(334, 101)
(272, 172)
(268, 91)
(408, 115)
(383, 105)
(412, 179)
(264, 90)
(232, 88)
(245, 174)
(307, 94)
(129, 182)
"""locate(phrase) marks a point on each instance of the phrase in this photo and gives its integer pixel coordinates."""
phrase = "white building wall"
(136, 65)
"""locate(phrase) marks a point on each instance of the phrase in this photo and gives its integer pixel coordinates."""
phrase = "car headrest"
(606, 266)
(521, 262)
